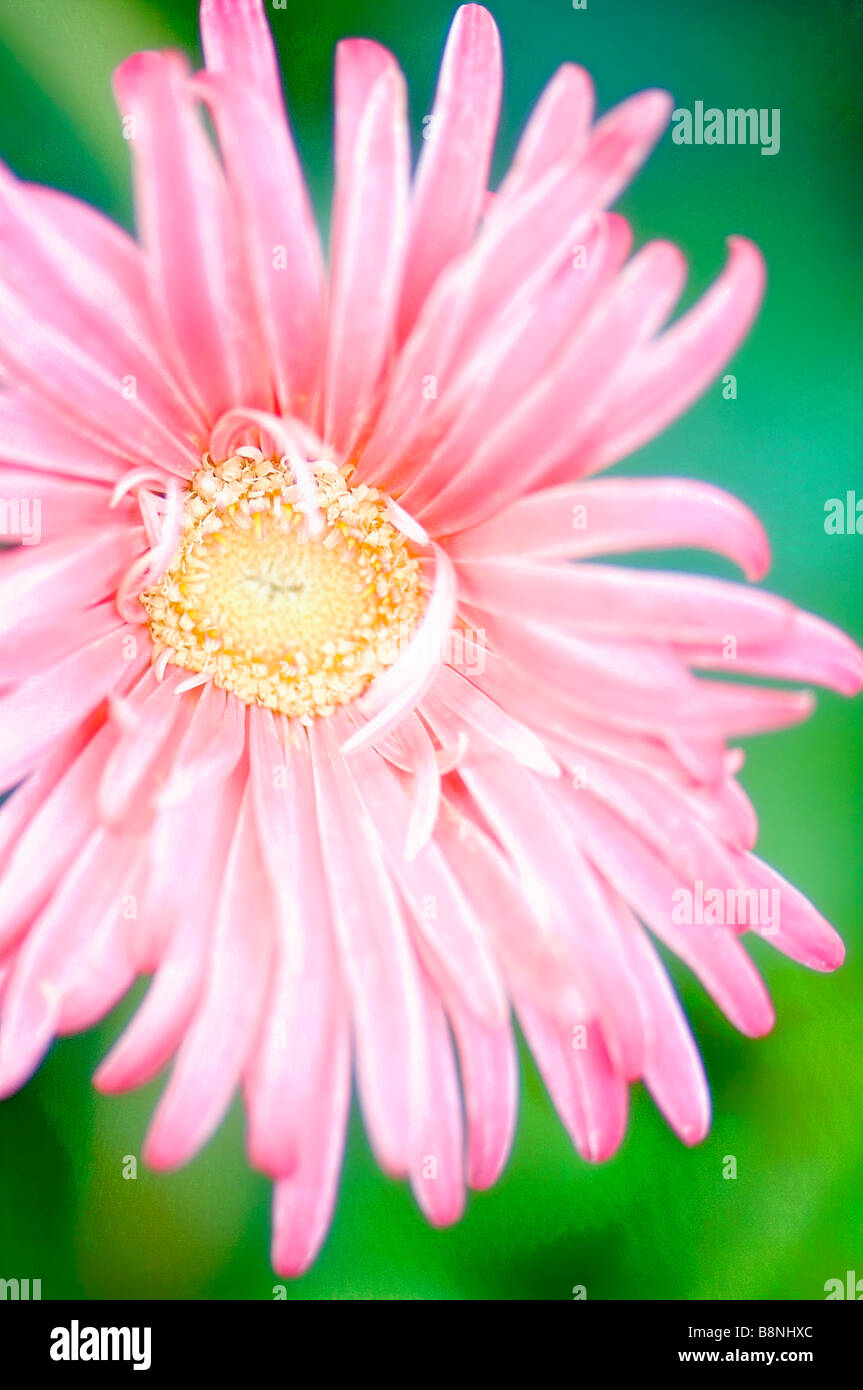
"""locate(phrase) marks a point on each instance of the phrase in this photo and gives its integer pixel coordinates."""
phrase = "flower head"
(326, 710)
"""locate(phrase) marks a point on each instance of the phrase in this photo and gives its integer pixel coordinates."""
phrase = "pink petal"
(437, 1166)
(590, 1097)
(377, 957)
(198, 280)
(673, 1071)
(612, 602)
(557, 132)
(39, 711)
(670, 374)
(303, 1019)
(369, 231)
(542, 429)
(615, 515)
(303, 1202)
(489, 1068)
(86, 277)
(281, 242)
(216, 1046)
(61, 576)
(452, 171)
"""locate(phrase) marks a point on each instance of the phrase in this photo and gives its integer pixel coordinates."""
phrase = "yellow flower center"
(274, 612)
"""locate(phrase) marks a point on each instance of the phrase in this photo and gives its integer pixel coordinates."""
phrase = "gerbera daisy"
(325, 709)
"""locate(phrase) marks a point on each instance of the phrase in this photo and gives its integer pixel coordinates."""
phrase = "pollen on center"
(277, 613)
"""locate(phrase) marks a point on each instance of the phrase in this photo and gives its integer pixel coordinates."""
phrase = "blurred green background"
(658, 1220)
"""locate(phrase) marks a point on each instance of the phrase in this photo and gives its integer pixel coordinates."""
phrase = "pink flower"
(314, 718)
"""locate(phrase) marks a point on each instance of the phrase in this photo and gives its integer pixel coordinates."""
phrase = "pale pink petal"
(489, 1068)
(673, 372)
(800, 931)
(199, 284)
(451, 939)
(589, 1096)
(557, 131)
(43, 708)
(543, 428)
(61, 576)
(182, 908)
(368, 234)
(614, 515)
(93, 888)
(302, 1023)
(303, 1202)
(282, 246)
(379, 963)
(673, 1070)
(94, 397)
(437, 1161)
(215, 1047)
(452, 171)
(86, 277)
(611, 602)
(514, 257)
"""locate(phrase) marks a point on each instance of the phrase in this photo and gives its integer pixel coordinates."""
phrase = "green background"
(658, 1220)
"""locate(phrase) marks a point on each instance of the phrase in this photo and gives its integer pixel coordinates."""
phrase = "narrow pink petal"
(812, 650)
(425, 802)
(489, 1067)
(54, 637)
(32, 1001)
(86, 277)
(377, 957)
(212, 747)
(55, 832)
(556, 133)
(565, 201)
(437, 1167)
(100, 972)
(46, 361)
(452, 172)
(526, 818)
(155, 712)
(638, 687)
(215, 1049)
(198, 280)
(468, 703)
(528, 344)
(182, 909)
(369, 231)
(511, 260)
(303, 1202)
(292, 1060)
(614, 602)
(236, 40)
(615, 515)
(451, 939)
(673, 1071)
(543, 427)
(800, 931)
(673, 372)
(16, 811)
(648, 885)
(281, 242)
(49, 506)
(33, 436)
(590, 1097)
(61, 576)
(34, 714)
